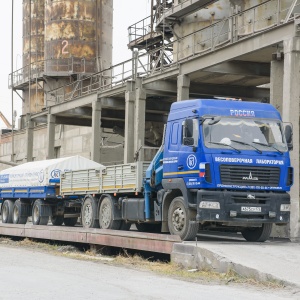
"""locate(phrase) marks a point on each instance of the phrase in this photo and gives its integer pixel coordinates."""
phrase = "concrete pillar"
(183, 87)
(129, 127)
(139, 123)
(29, 138)
(96, 130)
(276, 84)
(50, 136)
(290, 111)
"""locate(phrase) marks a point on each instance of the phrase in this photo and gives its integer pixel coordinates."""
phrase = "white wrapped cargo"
(39, 173)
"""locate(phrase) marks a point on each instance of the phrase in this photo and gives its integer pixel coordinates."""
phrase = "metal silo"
(72, 39)
(33, 52)
(33, 40)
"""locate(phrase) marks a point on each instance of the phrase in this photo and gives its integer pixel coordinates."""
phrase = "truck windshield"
(245, 134)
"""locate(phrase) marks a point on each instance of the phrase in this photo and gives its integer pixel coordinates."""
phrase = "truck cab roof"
(230, 108)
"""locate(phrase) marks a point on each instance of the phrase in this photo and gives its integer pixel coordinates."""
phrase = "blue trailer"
(222, 165)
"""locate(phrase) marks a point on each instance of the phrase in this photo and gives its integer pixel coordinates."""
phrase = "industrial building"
(76, 102)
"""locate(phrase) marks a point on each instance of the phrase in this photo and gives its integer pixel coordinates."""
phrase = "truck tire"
(125, 226)
(181, 220)
(257, 234)
(37, 219)
(7, 211)
(106, 215)
(89, 213)
(70, 221)
(57, 220)
(18, 215)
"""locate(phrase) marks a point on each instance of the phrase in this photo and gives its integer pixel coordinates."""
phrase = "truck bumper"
(243, 207)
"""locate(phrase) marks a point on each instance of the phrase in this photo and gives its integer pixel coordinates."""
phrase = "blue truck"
(223, 165)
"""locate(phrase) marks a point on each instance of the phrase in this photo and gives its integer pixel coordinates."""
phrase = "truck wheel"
(125, 226)
(146, 227)
(257, 234)
(57, 220)
(37, 219)
(7, 211)
(89, 213)
(181, 220)
(106, 215)
(18, 217)
(70, 221)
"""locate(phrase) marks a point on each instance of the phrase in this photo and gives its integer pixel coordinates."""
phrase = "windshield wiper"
(267, 145)
(243, 143)
(224, 144)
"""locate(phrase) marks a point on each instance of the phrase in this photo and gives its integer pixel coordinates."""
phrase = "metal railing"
(240, 25)
(140, 29)
(51, 67)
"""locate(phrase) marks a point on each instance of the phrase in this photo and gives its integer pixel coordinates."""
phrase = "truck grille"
(243, 175)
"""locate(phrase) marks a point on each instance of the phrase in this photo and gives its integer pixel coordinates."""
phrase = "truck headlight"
(209, 204)
(285, 207)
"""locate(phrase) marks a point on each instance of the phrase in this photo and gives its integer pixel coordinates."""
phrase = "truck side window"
(190, 132)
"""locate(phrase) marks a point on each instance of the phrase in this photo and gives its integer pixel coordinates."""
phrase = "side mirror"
(288, 133)
(188, 141)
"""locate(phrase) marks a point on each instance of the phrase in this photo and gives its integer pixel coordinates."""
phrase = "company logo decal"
(55, 173)
(250, 177)
(191, 161)
(249, 196)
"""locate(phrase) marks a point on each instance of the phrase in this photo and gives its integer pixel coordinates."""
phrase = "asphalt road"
(29, 274)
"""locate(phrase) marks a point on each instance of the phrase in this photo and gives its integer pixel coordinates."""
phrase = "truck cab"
(227, 164)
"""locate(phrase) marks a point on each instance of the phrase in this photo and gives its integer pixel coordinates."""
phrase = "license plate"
(251, 209)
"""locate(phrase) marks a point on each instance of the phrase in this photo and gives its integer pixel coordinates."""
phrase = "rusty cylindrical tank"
(71, 36)
(33, 40)
(33, 52)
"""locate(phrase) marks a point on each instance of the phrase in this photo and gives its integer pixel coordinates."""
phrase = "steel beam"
(244, 68)
(160, 243)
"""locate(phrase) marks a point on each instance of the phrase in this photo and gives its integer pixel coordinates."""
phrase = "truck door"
(180, 160)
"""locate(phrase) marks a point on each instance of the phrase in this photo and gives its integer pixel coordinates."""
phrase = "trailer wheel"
(18, 216)
(7, 211)
(89, 213)
(106, 215)
(181, 220)
(257, 234)
(37, 218)
(57, 220)
(70, 221)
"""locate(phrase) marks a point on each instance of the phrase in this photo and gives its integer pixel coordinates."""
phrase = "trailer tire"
(70, 221)
(89, 213)
(37, 218)
(257, 234)
(7, 211)
(57, 220)
(106, 215)
(18, 216)
(182, 220)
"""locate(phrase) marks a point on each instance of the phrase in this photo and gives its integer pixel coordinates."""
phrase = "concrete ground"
(276, 259)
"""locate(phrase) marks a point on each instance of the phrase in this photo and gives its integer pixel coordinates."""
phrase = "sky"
(123, 18)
